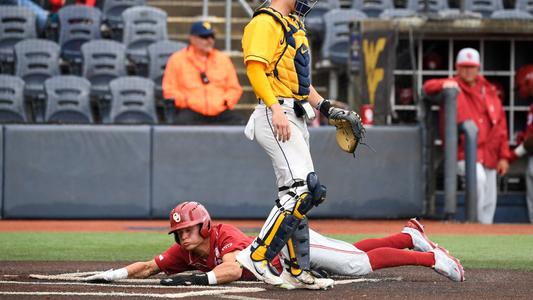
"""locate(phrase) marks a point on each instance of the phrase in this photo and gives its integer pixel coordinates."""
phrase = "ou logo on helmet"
(176, 217)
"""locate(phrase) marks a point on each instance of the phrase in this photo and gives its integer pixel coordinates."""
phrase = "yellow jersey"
(280, 42)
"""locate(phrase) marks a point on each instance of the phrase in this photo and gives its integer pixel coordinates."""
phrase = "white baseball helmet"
(467, 57)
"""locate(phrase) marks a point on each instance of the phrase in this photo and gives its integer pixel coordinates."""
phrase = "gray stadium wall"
(67, 171)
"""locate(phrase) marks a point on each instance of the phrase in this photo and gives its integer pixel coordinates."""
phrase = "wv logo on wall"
(378, 62)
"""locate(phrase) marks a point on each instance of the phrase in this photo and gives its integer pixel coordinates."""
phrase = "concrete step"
(194, 8)
(182, 25)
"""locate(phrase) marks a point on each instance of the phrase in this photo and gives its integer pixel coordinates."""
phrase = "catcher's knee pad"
(298, 248)
(276, 237)
(317, 190)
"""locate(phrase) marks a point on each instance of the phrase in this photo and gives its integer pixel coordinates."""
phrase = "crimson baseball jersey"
(224, 239)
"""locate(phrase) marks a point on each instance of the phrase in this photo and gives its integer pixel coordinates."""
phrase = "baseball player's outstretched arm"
(135, 270)
(229, 270)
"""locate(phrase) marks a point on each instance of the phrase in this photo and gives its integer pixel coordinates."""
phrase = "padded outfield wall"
(120, 172)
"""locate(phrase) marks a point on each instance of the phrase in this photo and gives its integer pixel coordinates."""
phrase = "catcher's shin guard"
(298, 248)
(282, 229)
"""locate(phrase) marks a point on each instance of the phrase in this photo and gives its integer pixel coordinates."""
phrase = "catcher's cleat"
(262, 270)
(447, 265)
(421, 242)
(306, 281)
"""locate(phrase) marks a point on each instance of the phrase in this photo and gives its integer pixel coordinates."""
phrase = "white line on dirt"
(122, 294)
(237, 297)
(209, 287)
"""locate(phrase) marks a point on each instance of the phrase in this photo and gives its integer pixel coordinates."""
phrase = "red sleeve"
(232, 239)
(434, 86)
(172, 261)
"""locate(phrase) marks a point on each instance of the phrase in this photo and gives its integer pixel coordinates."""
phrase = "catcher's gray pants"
(529, 186)
(291, 160)
(487, 187)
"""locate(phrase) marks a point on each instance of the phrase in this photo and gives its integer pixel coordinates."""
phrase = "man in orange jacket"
(478, 101)
(202, 81)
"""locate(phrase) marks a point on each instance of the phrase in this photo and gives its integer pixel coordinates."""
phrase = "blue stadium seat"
(77, 25)
(103, 61)
(336, 45)
(314, 21)
(112, 11)
(372, 8)
(484, 7)
(158, 54)
(522, 11)
(433, 5)
(16, 24)
(132, 101)
(143, 26)
(35, 61)
(12, 108)
(67, 100)
(524, 5)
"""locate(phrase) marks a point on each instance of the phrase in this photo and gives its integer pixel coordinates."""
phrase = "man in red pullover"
(478, 101)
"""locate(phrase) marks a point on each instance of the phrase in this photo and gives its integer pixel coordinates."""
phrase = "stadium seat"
(522, 11)
(143, 26)
(436, 8)
(16, 24)
(337, 39)
(524, 5)
(35, 61)
(67, 100)
(484, 7)
(112, 11)
(158, 54)
(103, 61)
(372, 8)
(12, 100)
(314, 21)
(77, 25)
(132, 101)
(511, 14)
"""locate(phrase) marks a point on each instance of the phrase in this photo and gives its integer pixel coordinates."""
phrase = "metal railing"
(227, 36)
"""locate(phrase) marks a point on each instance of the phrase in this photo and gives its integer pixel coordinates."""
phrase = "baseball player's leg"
(529, 187)
(412, 236)
(341, 258)
(337, 257)
(482, 195)
(489, 204)
(292, 164)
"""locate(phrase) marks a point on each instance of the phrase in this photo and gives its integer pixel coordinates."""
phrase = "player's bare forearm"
(314, 97)
(227, 272)
(142, 270)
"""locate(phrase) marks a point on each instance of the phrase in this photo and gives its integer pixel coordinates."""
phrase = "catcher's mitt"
(350, 130)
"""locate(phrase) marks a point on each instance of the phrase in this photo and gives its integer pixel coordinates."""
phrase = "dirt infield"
(323, 226)
(398, 283)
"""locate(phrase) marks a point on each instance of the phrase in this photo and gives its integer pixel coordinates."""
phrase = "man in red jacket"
(524, 82)
(478, 101)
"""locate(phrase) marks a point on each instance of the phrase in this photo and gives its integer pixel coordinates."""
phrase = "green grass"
(489, 251)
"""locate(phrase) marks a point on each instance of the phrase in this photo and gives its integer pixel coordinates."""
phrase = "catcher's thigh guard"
(285, 223)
